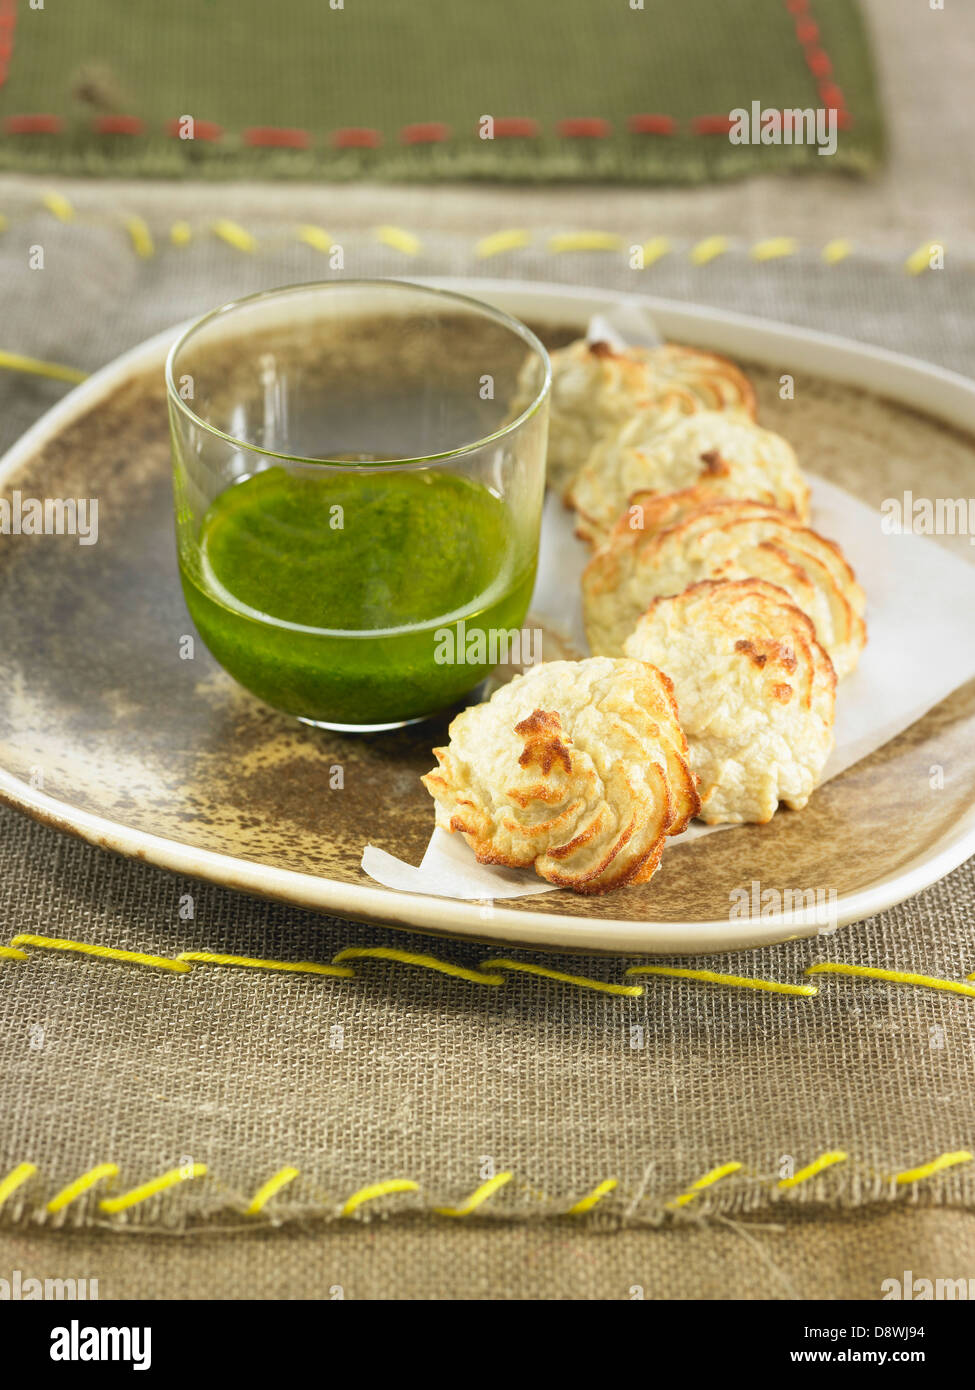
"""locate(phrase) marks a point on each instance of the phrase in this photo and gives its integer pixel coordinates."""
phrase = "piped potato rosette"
(578, 768)
(724, 540)
(709, 456)
(597, 389)
(756, 693)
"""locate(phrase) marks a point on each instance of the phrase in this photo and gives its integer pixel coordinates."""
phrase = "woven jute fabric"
(794, 1256)
(522, 90)
(405, 1074)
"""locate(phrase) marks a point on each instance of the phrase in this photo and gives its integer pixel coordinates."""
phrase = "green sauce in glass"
(323, 594)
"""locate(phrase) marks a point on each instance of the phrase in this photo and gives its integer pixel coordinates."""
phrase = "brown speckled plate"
(105, 731)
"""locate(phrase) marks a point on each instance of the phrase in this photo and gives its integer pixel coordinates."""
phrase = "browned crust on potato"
(711, 365)
(543, 743)
(596, 816)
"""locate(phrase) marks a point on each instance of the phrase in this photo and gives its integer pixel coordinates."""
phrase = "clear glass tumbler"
(358, 470)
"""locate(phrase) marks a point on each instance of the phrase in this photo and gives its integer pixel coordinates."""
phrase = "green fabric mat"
(108, 78)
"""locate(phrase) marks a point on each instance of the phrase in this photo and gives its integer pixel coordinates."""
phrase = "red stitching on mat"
(32, 125)
(585, 128)
(437, 132)
(711, 125)
(202, 130)
(357, 137)
(515, 127)
(830, 95)
(651, 125)
(424, 133)
(119, 125)
(818, 60)
(277, 137)
(819, 64)
(8, 23)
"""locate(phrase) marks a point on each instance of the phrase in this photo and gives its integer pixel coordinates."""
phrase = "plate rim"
(939, 392)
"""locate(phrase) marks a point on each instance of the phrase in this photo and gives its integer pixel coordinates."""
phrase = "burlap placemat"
(429, 89)
(520, 1103)
(404, 1074)
(795, 1255)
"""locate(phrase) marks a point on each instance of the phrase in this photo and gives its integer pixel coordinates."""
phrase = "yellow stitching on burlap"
(234, 234)
(486, 1190)
(58, 943)
(59, 205)
(399, 239)
(24, 1171)
(713, 978)
(584, 241)
(74, 1190)
(707, 249)
(267, 1190)
(301, 967)
(501, 963)
(836, 250)
(416, 958)
(715, 1175)
(937, 1165)
(596, 1195)
(824, 1161)
(15, 362)
(182, 964)
(154, 1185)
(16, 1178)
(897, 977)
(316, 237)
(773, 248)
(653, 249)
(378, 1189)
(920, 260)
(141, 237)
(511, 240)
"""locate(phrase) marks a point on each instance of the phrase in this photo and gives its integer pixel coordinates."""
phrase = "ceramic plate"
(107, 732)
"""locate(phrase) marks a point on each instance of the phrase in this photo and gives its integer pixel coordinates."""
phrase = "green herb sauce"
(322, 593)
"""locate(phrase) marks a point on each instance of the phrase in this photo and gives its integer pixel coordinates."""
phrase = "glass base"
(361, 728)
(473, 697)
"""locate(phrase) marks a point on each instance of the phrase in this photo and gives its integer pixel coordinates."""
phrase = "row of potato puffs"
(718, 620)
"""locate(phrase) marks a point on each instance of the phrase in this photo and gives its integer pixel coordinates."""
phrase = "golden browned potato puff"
(715, 453)
(596, 390)
(755, 691)
(724, 540)
(579, 768)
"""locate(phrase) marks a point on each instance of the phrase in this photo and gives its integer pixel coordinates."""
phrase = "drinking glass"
(358, 479)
